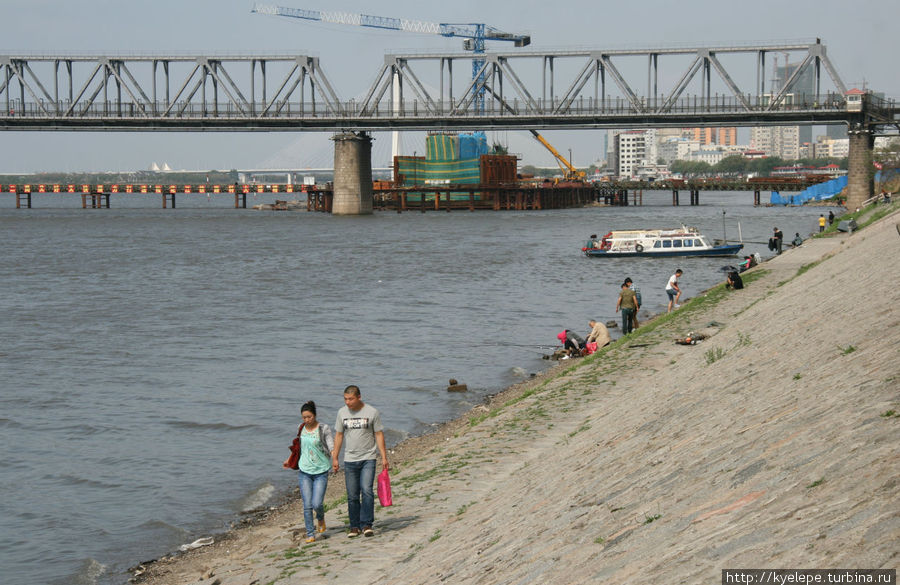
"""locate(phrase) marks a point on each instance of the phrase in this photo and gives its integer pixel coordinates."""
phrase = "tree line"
(738, 165)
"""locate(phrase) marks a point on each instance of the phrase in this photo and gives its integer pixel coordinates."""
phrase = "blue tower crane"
(474, 35)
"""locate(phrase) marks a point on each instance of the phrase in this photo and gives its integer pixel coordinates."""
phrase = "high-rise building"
(726, 136)
(633, 148)
(629, 151)
(826, 147)
(780, 141)
(803, 90)
(677, 148)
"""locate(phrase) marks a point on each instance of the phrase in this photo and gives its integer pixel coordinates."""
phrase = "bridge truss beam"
(529, 90)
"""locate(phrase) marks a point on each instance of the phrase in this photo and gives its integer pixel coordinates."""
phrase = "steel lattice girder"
(415, 91)
(206, 87)
(597, 65)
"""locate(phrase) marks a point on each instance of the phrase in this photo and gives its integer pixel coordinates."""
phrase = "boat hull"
(729, 250)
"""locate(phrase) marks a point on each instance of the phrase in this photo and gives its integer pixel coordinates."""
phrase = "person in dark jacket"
(778, 237)
(572, 341)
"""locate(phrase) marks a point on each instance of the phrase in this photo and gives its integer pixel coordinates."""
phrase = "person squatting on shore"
(358, 428)
(673, 290)
(627, 302)
(316, 445)
(572, 342)
(599, 334)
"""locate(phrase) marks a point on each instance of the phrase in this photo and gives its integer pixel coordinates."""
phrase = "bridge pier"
(695, 197)
(19, 197)
(860, 185)
(353, 174)
(674, 197)
(756, 198)
(98, 200)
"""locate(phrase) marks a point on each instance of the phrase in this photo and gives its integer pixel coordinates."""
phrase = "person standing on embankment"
(673, 290)
(627, 302)
(361, 425)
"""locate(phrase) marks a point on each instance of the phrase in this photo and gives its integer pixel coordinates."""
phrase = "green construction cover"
(418, 171)
(442, 147)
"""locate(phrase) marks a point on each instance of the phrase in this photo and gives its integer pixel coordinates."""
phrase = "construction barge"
(467, 197)
(458, 172)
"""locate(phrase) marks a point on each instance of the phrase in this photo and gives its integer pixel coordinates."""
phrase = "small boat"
(683, 241)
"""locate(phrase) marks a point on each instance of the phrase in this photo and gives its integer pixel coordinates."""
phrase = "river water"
(153, 362)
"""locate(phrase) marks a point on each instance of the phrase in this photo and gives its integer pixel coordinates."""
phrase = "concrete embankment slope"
(771, 444)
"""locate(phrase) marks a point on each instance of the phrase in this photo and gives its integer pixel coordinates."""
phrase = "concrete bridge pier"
(353, 193)
(860, 186)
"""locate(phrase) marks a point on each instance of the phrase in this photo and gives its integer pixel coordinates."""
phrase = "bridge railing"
(583, 107)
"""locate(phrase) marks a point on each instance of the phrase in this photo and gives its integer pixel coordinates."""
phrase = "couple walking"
(359, 430)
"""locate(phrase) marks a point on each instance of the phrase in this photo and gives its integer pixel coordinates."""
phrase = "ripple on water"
(217, 426)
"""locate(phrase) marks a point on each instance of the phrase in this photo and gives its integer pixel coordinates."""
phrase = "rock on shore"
(773, 443)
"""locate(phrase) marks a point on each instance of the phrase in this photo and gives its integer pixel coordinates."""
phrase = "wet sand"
(773, 443)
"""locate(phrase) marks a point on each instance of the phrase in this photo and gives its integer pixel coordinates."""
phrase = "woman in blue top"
(316, 443)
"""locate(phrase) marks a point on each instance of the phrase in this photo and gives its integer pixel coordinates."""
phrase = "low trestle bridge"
(524, 195)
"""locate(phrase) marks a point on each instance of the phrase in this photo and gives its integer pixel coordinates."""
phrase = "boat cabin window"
(689, 243)
(667, 243)
(676, 243)
(657, 244)
(698, 243)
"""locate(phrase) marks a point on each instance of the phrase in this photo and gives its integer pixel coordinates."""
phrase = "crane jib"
(477, 31)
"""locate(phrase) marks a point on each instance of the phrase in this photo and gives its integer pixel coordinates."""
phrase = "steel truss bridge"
(699, 86)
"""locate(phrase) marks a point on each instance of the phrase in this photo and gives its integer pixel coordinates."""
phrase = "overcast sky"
(859, 36)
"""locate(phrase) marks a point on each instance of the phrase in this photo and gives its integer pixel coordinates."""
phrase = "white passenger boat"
(683, 241)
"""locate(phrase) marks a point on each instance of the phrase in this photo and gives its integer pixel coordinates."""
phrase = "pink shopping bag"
(384, 489)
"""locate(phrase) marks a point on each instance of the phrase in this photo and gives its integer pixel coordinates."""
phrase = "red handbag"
(293, 462)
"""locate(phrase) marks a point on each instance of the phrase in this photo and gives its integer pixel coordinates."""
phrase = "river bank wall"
(770, 444)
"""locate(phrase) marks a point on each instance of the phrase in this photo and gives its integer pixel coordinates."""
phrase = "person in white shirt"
(673, 290)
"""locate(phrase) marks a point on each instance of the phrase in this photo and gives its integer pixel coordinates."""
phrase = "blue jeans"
(312, 490)
(360, 479)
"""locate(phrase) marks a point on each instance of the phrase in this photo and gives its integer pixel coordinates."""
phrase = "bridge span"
(574, 89)
(523, 89)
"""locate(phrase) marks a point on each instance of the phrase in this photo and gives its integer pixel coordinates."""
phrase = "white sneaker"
(677, 306)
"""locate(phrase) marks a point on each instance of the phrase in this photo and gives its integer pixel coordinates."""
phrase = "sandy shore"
(771, 444)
